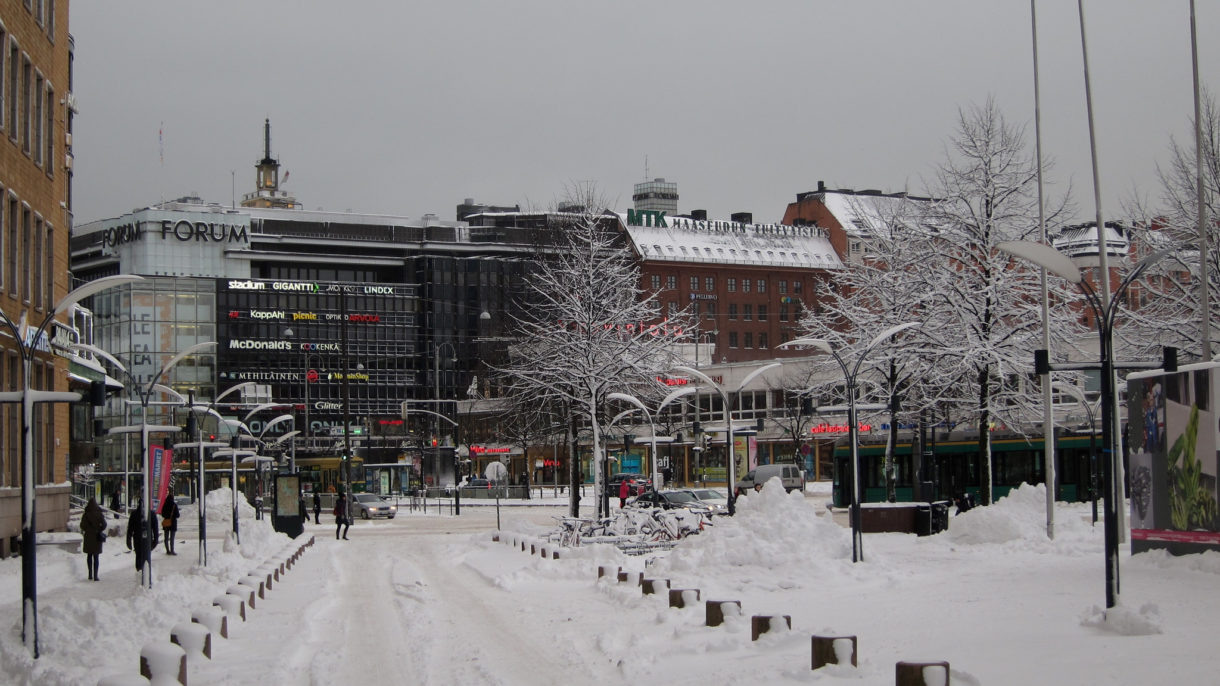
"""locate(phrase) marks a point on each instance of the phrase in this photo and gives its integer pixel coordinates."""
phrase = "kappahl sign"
(182, 230)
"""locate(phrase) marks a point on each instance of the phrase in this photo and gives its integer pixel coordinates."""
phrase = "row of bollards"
(165, 662)
(824, 650)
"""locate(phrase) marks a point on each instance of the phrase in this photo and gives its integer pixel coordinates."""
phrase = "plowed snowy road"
(412, 599)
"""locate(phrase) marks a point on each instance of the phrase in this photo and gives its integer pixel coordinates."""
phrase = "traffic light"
(806, 405)
(628, 440)
(1042, 362)
(211, 437)
(97, 393)
(760, 424)
(191, 425)
(698, 427)
(1169, 359)
(435, 442)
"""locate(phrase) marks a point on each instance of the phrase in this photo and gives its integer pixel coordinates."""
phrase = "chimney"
(821, 186)
(699, 215)
(742, 217)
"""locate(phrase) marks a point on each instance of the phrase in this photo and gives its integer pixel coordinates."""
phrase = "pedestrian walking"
(116, 497)
(93, 534)
(317, 507)
(624, 489)
(343, 517)
(138, 536)
(169, 522)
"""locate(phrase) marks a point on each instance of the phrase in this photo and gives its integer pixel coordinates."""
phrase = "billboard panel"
(1173, 440)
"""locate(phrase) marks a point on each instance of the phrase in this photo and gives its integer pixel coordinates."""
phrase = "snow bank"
(1019, 520)
(773, 530)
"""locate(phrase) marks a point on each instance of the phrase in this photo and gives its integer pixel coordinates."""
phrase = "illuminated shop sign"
(266, 314)
(246, 344)
(837, 428)
(352, 376)
(672, 381)
(487, 450)
(183, 230)
(325, 347)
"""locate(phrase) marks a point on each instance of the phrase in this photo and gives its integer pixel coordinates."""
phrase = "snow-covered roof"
(1081, 240)
(727, 242)
(865, 213)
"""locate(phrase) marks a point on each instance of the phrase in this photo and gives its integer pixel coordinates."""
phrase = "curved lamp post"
(849, 377)
(144, 396)
(1104, 307)
(26, 345)
(728, 399)
(626, 397)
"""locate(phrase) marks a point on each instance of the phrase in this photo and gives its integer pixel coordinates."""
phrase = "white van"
(789, 474)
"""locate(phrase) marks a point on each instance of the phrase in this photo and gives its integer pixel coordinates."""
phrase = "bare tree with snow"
(586, 327)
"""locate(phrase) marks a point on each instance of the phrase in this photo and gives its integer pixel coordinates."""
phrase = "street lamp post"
(436, 381)
(144, 396)
(1078, 396)
(1104, 307)
(27, 396)
(727, 399)
(651, 416)
(849, 377)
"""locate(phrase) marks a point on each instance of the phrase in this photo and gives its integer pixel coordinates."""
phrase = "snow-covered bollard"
(163, 663)
(921, 674)
(632, 578)
(717, 610)
(683, 597)
(651, 586)
(244, 592)
(606, 570)
(832, 650)
(257, 582)
(265, 574)
(123, 680)
(763, 624)
(231, 604)
(215, 621)
(194, 638)
(255, 586)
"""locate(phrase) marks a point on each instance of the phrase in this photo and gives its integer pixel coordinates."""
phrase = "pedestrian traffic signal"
(435, 442)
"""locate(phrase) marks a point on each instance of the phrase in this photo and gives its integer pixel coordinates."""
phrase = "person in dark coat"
(92, 528)
(137, 536)
(169, 522)
(343, 517)
(317, 507)
(116, 497)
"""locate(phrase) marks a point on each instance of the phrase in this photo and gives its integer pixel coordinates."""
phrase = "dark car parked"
(670, 500)
(638, 483)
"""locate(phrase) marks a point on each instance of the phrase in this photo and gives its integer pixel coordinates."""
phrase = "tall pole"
(1048, 415)
(1110, 450)
(1201, 200)
(857, 533)
(347, 438)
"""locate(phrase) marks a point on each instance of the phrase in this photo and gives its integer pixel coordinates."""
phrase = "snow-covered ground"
(430, 599)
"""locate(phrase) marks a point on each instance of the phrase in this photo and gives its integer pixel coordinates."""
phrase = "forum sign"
(1173, 443)
(181, 230)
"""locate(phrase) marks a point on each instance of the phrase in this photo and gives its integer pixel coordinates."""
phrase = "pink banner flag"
(160, 463)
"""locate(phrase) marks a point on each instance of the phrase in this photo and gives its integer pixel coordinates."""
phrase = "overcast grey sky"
(408, 107)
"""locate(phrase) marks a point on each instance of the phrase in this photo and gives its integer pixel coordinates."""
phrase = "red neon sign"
(482, 449)
(837, 428)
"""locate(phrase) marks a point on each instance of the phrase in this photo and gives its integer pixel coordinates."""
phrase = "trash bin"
(931, 518)
(940, 516)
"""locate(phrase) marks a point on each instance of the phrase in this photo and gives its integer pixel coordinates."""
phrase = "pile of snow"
(1019, 520)
(772, 529)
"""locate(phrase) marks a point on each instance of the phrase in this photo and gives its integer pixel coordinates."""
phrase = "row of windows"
(731, 284)
(27, 104)
(746, 311)
(27, 253)
(748, 340)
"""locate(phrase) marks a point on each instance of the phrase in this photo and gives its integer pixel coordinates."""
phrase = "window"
(747, 312)
(783, 312)
(783, 286)
(50, 131)
(656, 282)
(14, 248)
(745, 285)
(732, 339)
(796, 286)
(48, 272)
(37, 257)
(671, 282)
(709, 283)
(27, 72)
(762, 341)
(762, 285)
(37, 121)
(3, 55)
(762, 313)
(749, 341)
(730, 284)
(26, 227)
(672, 308)
(709, 310)
(13, 70)
(51, 20)
(733, 311)
(694, 283)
